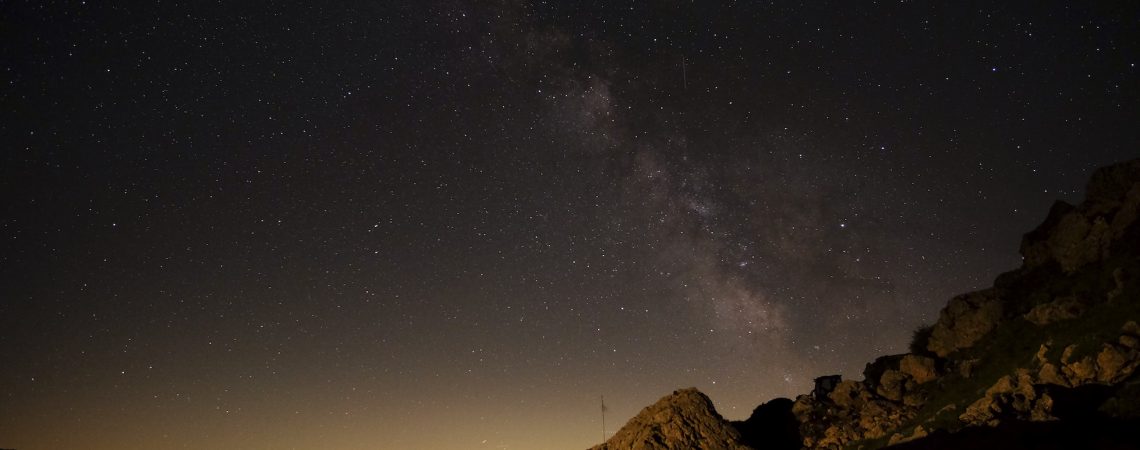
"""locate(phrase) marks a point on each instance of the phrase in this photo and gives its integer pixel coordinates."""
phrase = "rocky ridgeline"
(1054, 341)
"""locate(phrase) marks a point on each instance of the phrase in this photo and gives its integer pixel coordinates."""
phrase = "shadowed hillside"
(1045, 358)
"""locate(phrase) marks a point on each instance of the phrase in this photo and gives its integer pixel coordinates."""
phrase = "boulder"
(1063, 308)
(1049, 373)
(892, 385)
(852, 412)
(1011, 397)
(1114, 363)
(921, 369)
(849, 394)
(964, 321)
(874, 370)
(1118, 360)
(1080, 372)
(803, 406)
(899, 375)
(1079, 240)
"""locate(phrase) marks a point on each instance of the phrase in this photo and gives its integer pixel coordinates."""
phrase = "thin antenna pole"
(603, 419)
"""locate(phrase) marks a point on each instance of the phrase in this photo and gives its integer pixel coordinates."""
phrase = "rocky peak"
(685, 419)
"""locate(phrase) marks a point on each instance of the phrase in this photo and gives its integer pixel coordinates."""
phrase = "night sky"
(455, 225)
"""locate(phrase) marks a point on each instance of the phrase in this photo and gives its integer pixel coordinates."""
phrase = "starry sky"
(456, 225)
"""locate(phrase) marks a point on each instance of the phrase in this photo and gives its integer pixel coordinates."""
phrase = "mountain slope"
(1045, 358)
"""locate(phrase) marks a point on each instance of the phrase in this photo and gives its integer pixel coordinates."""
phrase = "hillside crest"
(1055, 342)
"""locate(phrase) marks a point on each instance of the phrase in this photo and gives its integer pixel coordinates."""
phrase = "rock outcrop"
(686, 419)
(1075, 236)
(897, 377)
(852, 412)
(1063, 308)
(1045, 345)
(1016, 396)
(1116, 361)
(964, 321)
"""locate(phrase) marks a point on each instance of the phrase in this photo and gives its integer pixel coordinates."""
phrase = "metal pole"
(603, 419)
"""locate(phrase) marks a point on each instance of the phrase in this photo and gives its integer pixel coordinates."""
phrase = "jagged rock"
(1079, 240)
(803, 406)
(1080, 372)
(1119, 360)
(849, 394)
(1067, 354)
(1112, 364)
(684, 420)
(1116, 361)
(892, 385)
(898, 383)
(854, 399)
(874, 370)
(1042, 351)
(1049, 373)
(852, 412)
(921, 369)
(964, 321)
(1064, 308)
(1013, 397)
(1074, 237)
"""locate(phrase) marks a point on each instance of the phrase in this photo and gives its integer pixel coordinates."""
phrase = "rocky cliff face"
(1055, 338)
(685, 419)
(1055, 341)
